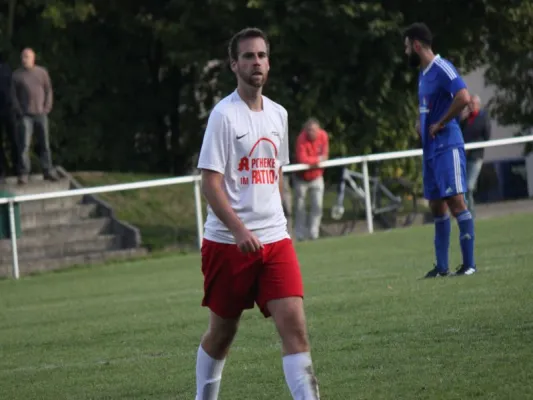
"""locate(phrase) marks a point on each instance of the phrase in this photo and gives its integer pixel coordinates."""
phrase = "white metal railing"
(195, 179)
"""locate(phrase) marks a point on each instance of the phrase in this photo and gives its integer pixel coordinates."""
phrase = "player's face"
(252, 64)
(412, 56)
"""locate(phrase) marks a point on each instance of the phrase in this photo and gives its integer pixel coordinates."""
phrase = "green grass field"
(130, 331)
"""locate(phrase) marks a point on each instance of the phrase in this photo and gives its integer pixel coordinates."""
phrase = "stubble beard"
(414, 60)
(252, 81)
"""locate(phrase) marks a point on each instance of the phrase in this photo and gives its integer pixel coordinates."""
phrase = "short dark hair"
(419, 31)
(246, 33)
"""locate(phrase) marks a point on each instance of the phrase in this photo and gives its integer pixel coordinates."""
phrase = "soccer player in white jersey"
(247, 254)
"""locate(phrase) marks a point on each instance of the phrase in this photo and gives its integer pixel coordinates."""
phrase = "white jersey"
(248, 148)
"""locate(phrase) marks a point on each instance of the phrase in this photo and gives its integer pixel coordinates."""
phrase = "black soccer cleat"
(436, 273)
(464, 271)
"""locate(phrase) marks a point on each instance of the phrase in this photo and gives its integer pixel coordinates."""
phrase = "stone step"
(53, 218)
(50, 204)
(70, 248)
(37, 186)
(12, 180)
(78, 230)
(58, 233)
(40, 265)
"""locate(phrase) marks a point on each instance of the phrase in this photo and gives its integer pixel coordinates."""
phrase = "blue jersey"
(437, 86)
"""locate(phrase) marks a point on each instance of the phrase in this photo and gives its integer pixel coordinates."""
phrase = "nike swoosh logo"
(240, 137)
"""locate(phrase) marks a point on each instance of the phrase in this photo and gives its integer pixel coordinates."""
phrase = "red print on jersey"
(263, 169)
(244, 164)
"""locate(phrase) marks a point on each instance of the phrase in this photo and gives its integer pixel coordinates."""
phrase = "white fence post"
(13, 232)
(199, 214)
(368, 200)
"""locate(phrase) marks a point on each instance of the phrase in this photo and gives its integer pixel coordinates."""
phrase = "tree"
(129, 79)
(343, 62)
(510, 64)
(134, 80)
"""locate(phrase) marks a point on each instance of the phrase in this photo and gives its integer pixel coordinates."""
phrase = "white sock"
(298, 369)
(208, 375)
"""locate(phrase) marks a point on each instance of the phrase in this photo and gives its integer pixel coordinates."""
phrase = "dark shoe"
(50, 176)
(436, 273)
(462, 270)
(22, 180)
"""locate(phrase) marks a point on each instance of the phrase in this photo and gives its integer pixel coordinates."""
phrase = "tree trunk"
(10, 21)
(160, 161)
(175, 120)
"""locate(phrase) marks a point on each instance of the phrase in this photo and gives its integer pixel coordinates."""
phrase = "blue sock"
(466, 237)
(443, 229)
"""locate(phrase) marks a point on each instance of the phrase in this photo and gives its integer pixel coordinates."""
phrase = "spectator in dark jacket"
(33, 102)
(7, 121)
(476, 127)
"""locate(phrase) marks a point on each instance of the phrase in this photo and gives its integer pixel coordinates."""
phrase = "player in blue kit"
(442, 95)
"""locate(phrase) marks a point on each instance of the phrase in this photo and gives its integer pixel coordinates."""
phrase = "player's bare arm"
(213, 190)
(280, 174)
(460, 100)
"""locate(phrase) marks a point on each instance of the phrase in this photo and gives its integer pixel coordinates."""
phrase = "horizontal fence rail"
(102, 189)
(195, 179)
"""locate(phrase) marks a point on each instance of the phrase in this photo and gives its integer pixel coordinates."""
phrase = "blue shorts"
(445, 174)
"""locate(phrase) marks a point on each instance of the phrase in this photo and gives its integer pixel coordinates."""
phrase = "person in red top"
(476, 127)
(312, 147)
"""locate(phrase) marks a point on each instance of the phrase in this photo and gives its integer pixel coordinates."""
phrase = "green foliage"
(511, 44)
(134, 80)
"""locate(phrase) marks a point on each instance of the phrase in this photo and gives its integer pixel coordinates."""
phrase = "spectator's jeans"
(29, 124)
(473, 168)
(316, 193)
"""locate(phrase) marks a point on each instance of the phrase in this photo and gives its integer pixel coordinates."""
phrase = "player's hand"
(434, 129)
(247, 242)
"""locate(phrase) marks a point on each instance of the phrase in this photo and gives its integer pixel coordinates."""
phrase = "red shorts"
(233, 281)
